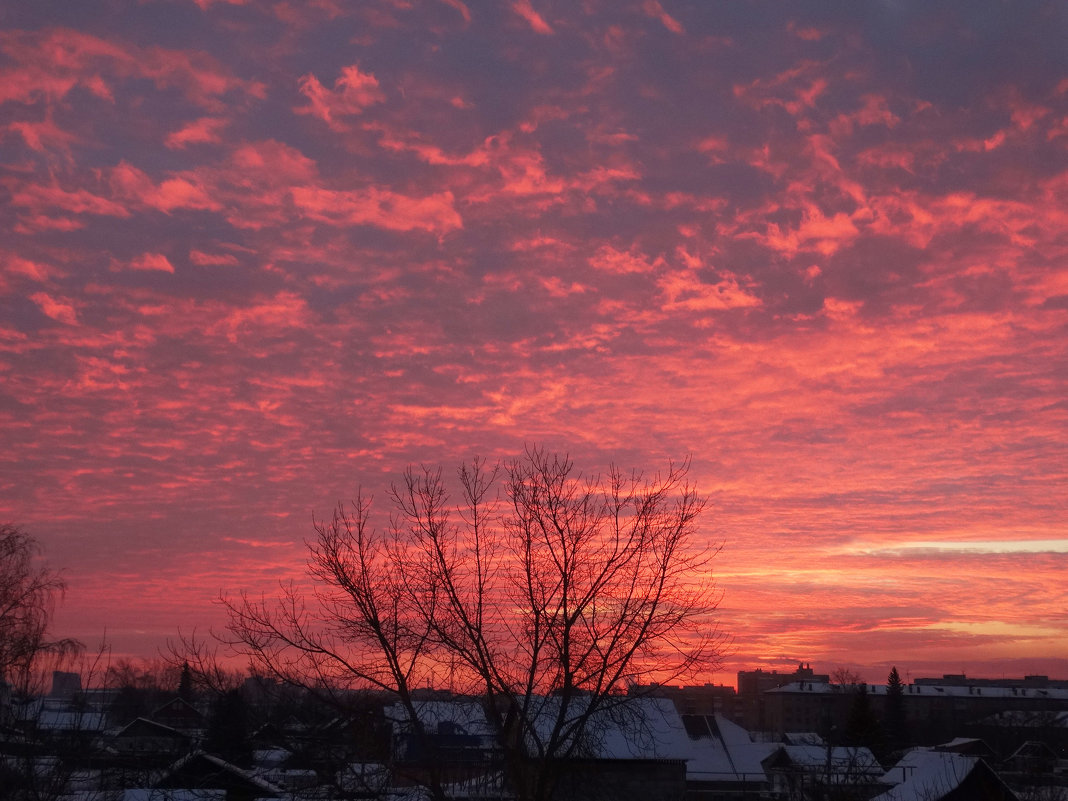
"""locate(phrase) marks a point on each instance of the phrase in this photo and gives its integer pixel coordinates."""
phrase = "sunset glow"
(258, 254)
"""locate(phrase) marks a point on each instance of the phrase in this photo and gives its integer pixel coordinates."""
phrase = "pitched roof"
(713, 748)
(143, 727)
(214, 767)
(926, 775)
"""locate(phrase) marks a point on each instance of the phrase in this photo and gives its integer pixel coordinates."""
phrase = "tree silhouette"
(894, 721)
(185, 684)
(28, 594)
(546, 597)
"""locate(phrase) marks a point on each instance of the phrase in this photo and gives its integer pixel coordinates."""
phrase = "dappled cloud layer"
(257, 254)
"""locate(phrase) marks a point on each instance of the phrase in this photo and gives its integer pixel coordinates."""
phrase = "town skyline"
(261, 256)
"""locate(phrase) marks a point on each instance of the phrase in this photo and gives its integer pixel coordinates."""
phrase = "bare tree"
(845, 678)
(28, 594)
(544, 593)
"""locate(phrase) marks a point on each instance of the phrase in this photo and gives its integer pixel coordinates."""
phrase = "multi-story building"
(749, 710)
(934, 712)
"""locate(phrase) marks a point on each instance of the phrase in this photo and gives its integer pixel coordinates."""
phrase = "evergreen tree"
(185, 684)
(894, 722)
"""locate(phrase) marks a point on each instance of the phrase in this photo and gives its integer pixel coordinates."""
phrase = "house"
(1033, 758)
(724, 762)
(927, 775)
(640, 748)
(1008, 730)
(203, 771)
(147, 739)
(934, 712)
(181, 715)
(801, 771)
(453, 745)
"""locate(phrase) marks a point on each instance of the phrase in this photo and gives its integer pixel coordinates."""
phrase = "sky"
(255, 255)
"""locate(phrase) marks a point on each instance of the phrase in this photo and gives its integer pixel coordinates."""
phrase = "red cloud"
(795, 89)
(284, 310)
(683, 290)
(56, 309)
(49, 199)
(465, 12)
(43, 135)
(608, 259)
(203, 259)
(806, 33)
(31, 269)
(172, 193)
(525, 10)
(352, 93)
(653, 9)
(373, 206)
(49, 64)
(152, 261)
(205, 130)
(274, 162)
(591, 254)
(874, 111)
(199, 76)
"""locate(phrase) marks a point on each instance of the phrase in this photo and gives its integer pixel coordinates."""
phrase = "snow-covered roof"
(746, 757)
(856, 761)
(957, 742)
(1021, 718)
(466, 715)
(803, 738)
(61, 720)
(923, 775)
(218, 762)
(635, 728)
(924, 690)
